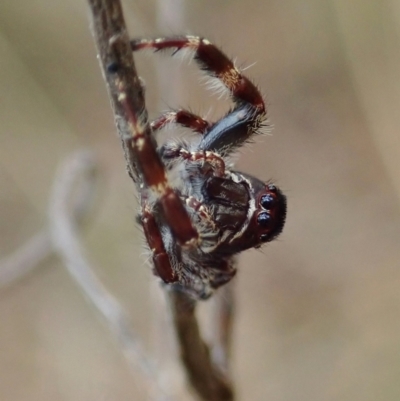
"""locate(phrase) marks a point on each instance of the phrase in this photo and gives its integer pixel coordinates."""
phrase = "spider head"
(270, 214)
(265, 219)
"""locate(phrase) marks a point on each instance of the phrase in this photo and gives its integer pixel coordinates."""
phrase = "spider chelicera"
(196, 212)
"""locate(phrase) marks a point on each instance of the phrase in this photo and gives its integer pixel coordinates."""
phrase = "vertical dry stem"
(112, 42)
(203, 375)
(113, 46)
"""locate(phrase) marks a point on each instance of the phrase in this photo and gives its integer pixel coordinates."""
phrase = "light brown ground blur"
(318, 310)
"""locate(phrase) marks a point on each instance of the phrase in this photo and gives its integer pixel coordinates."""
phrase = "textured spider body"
(197, 213)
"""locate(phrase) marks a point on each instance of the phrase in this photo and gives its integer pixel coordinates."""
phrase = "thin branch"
(66, 241)
(39, 247)
(25, 258)
(203, 374)
(114, 50)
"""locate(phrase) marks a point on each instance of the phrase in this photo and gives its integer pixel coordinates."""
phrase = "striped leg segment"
(183, 118)
(214, 62)
(161, 261)
(213, 160)
(154, 175)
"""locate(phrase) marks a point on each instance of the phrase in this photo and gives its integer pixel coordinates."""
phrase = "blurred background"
(318, 311)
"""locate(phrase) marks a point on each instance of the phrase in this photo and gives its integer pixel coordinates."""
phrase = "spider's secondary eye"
(264, 237)
(263, 219)
(267, 201)
(272, 187)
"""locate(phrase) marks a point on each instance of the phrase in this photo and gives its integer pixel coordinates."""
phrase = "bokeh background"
(318, 311)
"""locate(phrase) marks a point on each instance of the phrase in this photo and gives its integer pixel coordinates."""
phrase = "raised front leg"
(213, 61)
(249, 113)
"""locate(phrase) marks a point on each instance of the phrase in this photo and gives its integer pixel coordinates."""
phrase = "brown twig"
(118, 69)
(114, 51)
(203, 374)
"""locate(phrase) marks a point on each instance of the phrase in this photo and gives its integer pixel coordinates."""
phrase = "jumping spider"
(196, 212)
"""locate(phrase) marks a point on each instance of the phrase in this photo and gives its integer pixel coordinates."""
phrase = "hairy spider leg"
(196, 124)
(183, 118)
(154, 176)
(249, 112)
(213, 61)
(214, 161)
(160, 257)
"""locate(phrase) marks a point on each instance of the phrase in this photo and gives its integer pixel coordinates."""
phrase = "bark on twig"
(118, 69)
(203, 374)
(114, 52)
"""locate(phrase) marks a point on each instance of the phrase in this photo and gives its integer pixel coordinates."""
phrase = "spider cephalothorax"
(197, 213)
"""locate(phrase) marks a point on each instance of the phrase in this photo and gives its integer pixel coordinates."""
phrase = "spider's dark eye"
(272, 187)
(264, 219)
(264, 237)
(267, 201)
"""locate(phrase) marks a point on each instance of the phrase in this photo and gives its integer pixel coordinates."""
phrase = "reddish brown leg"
(214, 62)
(181, 117)
(162, 265)
(154, 176)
